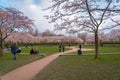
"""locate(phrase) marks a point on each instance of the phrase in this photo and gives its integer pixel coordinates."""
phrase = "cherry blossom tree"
(47, 33)
(103, 38)
(90, 39)
(83, 36)
(115, 35)
(12, 20)
(89, 15)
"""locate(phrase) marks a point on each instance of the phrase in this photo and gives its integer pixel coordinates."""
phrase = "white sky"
(32, 9)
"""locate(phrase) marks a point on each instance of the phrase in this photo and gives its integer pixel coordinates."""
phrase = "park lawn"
(43, 49)
(102, 50)
(107, 67)
(7, 63)
(112, 44)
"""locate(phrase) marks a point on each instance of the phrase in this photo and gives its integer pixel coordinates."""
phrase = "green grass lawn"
(74, 67)
(102, 50)
(43, 49)
(7, 63)
(107, 67)
(68, 67)
(112, 44)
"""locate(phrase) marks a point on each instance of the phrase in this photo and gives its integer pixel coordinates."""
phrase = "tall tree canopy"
(88, 15)
(12, 20)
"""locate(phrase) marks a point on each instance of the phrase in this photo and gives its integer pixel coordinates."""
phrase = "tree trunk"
(96, 45)
(1, 51)
(1, 47)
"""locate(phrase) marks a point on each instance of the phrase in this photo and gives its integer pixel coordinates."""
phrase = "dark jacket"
(14, 48)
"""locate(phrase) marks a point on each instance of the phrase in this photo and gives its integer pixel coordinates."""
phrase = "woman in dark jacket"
(14, 49)
(32, 51)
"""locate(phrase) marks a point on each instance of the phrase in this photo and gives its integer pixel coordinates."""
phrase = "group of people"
(34, 51)
(15, 49)
(61, 48)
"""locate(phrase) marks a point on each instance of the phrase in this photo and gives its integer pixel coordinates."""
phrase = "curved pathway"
(27, 72)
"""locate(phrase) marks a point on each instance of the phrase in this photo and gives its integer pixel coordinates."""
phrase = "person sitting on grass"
(60, 47)
(32, 51)
(36, 51)
(79, 52)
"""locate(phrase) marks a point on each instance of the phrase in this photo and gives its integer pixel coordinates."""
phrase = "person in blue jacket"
(14, 49)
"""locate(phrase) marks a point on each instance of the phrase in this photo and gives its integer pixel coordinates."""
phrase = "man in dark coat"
(14, 49)
(80, 46)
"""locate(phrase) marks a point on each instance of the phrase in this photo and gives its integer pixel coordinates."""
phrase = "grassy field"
(107, 67)
(112, 44)
(43, 49)
(102, 50)
(7, 63)
(68, 67)
(74, 67)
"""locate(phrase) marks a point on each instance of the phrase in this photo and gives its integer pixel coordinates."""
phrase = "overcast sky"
(32, 9)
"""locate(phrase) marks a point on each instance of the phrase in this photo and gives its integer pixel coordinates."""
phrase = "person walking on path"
(63, 48)
(14, 49)
(60, 46)
(79, 50)
(80, 46)
(69, 45)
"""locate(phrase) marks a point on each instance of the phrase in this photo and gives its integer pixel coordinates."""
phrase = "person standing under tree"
(63, 48)
(80, 46)
(14, 49)
(69, 44)
(60, 47)
(79, 50)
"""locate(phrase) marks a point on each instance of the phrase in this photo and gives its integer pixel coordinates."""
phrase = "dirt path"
(27, 72)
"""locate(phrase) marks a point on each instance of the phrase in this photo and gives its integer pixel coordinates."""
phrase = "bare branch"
(105, 12)
(91, 16)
